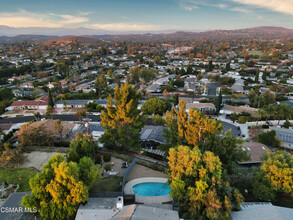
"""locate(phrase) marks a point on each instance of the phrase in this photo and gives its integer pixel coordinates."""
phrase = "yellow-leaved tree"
(275, 175)
(197, 183)
(61, 187)
(122, 121)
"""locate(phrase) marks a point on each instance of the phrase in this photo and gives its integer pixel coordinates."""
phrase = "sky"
(147, 15)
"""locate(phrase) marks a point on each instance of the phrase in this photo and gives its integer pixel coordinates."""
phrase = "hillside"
(68, 40)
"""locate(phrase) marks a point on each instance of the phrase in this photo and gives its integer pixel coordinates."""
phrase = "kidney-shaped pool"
(151, 189)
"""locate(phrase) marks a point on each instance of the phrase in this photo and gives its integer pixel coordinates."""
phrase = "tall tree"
(59, 127)
(122, 121)
(50, 99)
(197, 183)
(219, 103)
(57, 191)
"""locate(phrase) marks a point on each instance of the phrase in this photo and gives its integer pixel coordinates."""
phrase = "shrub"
(108, 167)
(98, 159)
(158, 120)
(107, 157)
(242, 120)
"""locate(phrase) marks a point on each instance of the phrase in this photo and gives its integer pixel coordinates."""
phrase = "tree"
(227, 148)
(31, 135)
(122, 122)
(37, 116)
(80, 114)
(157, 60)
(57, 191)
(10, 157)
(50, 99)
(81, 146)
(154, 106)
(89, 173)
(101, 85)
(210, 66)
(274, 176)
(193, 127)
(189, 69)
(256, 76)
(59, 127)
(219, 103)
(158, 120)
(264, 75)
(198, 184)
(234, 96)
(269, 139)
(269, 97)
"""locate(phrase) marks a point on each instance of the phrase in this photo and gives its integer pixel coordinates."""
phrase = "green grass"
(108, 184)
(75, 110)
(255, 52)
(30, 112)
(65, 110)
(12, 176)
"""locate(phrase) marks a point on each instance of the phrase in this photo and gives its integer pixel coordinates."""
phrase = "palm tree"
(37, 116)
(65, 105)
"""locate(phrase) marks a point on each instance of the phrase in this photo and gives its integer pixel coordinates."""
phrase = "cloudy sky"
(147, 15)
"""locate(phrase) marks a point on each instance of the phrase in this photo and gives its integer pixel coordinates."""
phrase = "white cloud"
(283, 6)
(241, 10)
(24, 18)
(189, 5)
(124, 27)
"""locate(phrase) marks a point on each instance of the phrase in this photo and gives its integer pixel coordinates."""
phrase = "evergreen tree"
(219, 103)
(264, 75)
(256, 76)
(50, 99)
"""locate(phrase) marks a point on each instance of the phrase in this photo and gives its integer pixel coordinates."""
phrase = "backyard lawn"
(108, 184)
(12, 176)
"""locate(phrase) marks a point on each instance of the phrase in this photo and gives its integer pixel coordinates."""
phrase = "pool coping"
(147, 199)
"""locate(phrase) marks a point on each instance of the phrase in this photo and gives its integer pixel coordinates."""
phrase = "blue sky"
(147, 15)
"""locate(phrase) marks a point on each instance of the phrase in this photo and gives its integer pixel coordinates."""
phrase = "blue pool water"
(151, 189)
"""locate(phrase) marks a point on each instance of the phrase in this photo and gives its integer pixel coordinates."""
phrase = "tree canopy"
(154, 106)
(196, 130)
(197, 183)
(274, 176)
(122, 121)
(82, 145)
(57, 191)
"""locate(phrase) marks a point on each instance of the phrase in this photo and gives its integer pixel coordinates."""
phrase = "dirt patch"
(37, 159)
(139, 171)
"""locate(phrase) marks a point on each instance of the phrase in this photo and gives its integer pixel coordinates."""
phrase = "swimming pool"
(151, 189)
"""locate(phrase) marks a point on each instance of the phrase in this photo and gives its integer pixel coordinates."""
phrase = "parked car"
(87, 119)
(96, 113)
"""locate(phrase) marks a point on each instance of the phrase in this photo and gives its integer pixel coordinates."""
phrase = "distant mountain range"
(91, 35)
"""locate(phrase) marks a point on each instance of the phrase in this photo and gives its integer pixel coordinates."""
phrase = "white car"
(96, 113)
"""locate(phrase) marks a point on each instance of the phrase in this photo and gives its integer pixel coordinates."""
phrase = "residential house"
(37, 104)
(208, 108)
(285, 135)
(261, 211)
(73, 103)
(255, 150)
(229, 109)
(113, 208)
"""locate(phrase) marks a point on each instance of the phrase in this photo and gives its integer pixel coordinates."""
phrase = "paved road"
(234, 129)
(21, 119)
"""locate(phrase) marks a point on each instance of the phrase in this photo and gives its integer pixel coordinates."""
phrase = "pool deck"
(147, 199)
